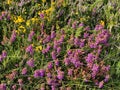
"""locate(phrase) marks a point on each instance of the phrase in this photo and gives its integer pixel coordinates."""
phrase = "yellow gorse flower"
(102, 22)
(34, 20)
(18, 19)
(43, 1)
(18, 32)
(82, 19)
(32, 44)
(21, 29)
(9, 1)
(28, 23)
(38, 48)
(49, 11)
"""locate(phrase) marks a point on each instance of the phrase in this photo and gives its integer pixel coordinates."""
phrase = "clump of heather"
(3, 55)
(77, 61)
(82, 59)
(3, 86)
(13, 36)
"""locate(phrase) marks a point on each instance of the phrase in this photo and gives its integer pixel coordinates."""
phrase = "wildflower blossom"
(30, 62)
(14, 87)
(81, 25)
(57, 63)
(102, 23)
(50, 65)
(13, 36)
(0, 17)
(43, 1)
(29, 49)
(42, 72)
(60, 75)
(20, 81)
(49, 81)
(24, 71)
(101, 84)
(38, 48)
(86, 35)
(47, 39)
(49, 75)
(53, 55)
(18, 19)
(39, 73)
(4, 54)
(98, 27)
(1, 58)
(9, 1)
(41, 15)
(58, 50)
(106, 78)
(66, 61)
(70, 72)
(21, 29)
(90, 58)
(76, 41)
(2, 86)
(74, 25)
(87, 28)
(53, 34)
(31, 35)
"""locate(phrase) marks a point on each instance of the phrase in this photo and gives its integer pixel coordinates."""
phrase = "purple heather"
(70, 72)
(53, 34)
(13, 36)
(57, 62)
(98, 27)
(81, 25)
(39, 73)
(24, 71)
(49, 81)
(0, 17)
(50, 65)
(95, 68)
(29, 49)
(66, 61)
(86, 35)
(2, 86)
(20, 81)
(76, 41)
(74, 25)
(60, 75)
(14, 87)
(90, 58)
(30, 63)
(49, 75)
(47, 39)
(42, 15)
(106, 78)
(53, 88)
(4, 54)
(1, 58)
(42, 72)
(58, 50)
(36, 73)
(101, 84)
(54, 55)
(87, 28)
(69, 21)
(31, 35)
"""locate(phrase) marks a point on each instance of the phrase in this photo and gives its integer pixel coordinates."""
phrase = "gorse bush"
(59, 45)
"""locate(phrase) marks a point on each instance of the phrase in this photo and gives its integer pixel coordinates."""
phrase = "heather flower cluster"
(3, 56)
